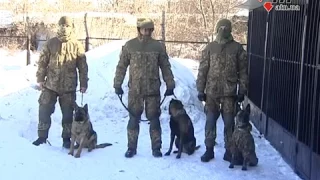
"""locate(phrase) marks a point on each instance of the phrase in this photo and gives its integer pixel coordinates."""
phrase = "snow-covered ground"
(19, 159)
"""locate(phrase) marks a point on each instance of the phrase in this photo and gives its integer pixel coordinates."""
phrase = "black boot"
(157, 153)
(130, 153)
(66, 143)
(39, 141)
(208, 155)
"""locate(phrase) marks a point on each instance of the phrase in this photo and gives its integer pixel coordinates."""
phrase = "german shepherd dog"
(242, 140)
(182, 128)
(82, 132)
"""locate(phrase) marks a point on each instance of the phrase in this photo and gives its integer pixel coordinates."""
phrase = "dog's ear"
(85, 107)
(248, 108)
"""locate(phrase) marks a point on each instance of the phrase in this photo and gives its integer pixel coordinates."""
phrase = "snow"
(243, 12)
(18, 128)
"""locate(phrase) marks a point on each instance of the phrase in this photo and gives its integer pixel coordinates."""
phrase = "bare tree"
(186, 20)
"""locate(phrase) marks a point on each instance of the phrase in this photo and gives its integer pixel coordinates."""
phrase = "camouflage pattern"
(152, 104)
(144, 59)
(213, 112)
(58, 63)
(221, 68)
(132, 136)
(223, 65)
(57, 68)
(243, 142)
(47, 101)
(211, 128)
(145, 23)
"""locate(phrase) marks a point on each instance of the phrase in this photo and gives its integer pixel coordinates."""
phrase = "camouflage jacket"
(144, 59)
(222, 68)
(58, 63)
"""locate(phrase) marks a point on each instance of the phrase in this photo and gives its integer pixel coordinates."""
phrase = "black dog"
(181, 127)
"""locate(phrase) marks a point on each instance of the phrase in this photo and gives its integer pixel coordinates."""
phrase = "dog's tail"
(103, 145)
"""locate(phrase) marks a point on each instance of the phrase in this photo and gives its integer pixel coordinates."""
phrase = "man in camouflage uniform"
(144, 55)
(223, 66)
(60, 58)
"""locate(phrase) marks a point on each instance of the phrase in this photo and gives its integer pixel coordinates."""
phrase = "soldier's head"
(145, 27)
(65, 26)
(224, 28)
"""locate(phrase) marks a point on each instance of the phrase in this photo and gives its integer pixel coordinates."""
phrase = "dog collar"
(242, 127)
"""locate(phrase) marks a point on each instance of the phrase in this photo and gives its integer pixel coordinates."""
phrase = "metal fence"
(13, 42)
(284, 50)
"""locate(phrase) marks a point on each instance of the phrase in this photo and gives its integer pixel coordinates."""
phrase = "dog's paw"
(77, 156)
(175, 152)
(70, 153)
(90, 149)
(167, 154)
(231, 166)
(178, 156)
(244, 168)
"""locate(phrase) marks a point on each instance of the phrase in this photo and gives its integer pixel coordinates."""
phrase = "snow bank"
(14, 72)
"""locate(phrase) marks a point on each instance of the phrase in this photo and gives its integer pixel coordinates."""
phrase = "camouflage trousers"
(214, 107)
(152, 106)
(47, 102)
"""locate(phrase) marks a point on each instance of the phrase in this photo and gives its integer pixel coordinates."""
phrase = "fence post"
(303, 54)
(28, 43)
(163, 27)
(87, 42)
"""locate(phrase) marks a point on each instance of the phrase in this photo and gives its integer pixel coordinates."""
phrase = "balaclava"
(223, 30)
(66, 29)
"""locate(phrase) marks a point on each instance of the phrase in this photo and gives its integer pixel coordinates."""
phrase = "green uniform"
(57, 68)
(144, 56)
(223, 66)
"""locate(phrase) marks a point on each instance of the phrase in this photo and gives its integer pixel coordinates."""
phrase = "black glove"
(118, 91)
(202, 97)
(169, 92)
(240, 97)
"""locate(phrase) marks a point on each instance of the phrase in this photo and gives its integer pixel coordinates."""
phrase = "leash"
(132, 114)
(81, 99)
